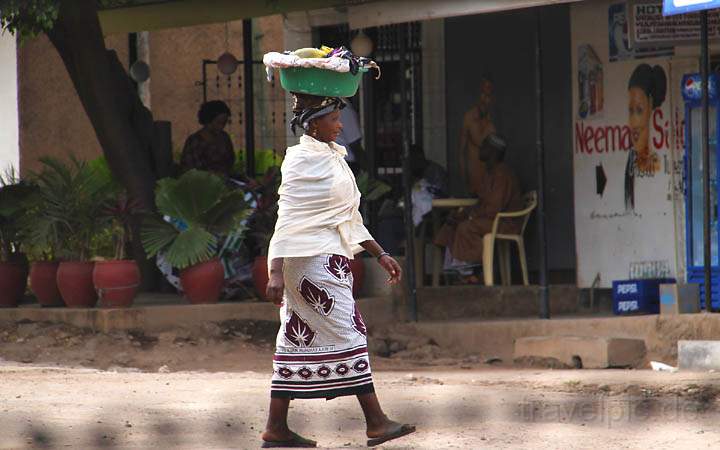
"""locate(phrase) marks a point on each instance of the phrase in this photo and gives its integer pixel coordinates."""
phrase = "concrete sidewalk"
(497, 337)
(480, 332)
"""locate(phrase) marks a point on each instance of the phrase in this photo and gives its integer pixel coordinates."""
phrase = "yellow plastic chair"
(504, 241)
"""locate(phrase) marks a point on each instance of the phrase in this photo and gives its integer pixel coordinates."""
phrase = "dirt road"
(55, 407)
(207, 388)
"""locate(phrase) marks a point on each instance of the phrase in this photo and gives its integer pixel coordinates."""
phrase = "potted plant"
(199, 207)
(117, 280)
(72, 198)
(371, 190)
(40, 239)
(262, 225)
(14, 202)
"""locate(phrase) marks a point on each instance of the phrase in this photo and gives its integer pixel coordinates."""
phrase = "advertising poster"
(627, 160)
(620, 42)
(590, 83)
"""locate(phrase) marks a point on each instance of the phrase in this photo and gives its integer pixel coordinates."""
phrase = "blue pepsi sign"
(692, 87)
(672, 7)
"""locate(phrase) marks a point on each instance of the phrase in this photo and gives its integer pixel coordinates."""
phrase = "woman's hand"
(392, 268)
(275, 288)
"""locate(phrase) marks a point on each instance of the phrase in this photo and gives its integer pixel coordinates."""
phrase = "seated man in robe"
(497, 191)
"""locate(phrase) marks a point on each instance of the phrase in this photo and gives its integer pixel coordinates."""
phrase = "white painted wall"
(9, 146)
(612, 241)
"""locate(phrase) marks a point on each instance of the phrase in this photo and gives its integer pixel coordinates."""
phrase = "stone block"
(586, 352)
(699, 355)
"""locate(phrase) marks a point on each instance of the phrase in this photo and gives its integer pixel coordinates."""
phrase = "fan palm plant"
(201, 207)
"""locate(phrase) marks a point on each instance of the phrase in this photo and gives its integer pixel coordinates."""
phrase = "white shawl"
(318, 207)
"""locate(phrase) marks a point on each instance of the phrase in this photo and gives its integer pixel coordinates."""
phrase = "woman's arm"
(386, 261)
(276, 284)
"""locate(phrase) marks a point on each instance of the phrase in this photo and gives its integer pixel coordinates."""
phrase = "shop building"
(615, 184)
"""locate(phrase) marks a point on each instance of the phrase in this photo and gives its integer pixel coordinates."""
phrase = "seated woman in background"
(210, 148)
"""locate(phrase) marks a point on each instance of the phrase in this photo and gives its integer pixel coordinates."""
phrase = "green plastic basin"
(314, 81)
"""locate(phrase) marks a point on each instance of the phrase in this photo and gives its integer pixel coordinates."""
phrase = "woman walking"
(321, 348)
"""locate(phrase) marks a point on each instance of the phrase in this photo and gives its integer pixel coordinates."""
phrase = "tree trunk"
(124, 127)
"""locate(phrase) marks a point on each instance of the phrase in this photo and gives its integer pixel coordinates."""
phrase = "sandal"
(400, 431)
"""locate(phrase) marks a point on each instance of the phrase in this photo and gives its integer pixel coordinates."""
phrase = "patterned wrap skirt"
(321, 348)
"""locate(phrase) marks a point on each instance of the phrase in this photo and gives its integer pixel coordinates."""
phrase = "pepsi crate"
(638, 296)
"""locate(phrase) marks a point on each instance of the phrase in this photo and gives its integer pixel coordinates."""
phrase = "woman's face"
(219, 122)
(639, 109)
(326, 128)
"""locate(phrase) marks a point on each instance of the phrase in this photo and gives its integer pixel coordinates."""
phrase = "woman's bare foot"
(388, 431)
(379, 428)
(278, 435)
(285, 439)
(382, 428)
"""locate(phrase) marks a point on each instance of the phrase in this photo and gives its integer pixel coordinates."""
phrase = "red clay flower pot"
(75, 281)
(260, 275)
(116, 282)
(203, 282)
(13, 280)
(357, 267)
(43, 283)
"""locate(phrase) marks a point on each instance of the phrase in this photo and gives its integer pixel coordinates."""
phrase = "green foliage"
(16, 198)
(371, 190)
(68, 218)
(118, 213)
(29, 18)
(265, 159)
(206, 206)
(120, 210)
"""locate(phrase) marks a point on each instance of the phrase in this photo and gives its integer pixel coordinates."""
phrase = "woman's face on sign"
(639, 110)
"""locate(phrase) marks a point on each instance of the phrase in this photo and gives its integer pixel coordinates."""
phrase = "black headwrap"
(303, 114)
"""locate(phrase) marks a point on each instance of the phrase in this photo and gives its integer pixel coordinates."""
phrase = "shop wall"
(628, 196)
(8, 102)
(176, 60)
(52, 119)
(48, 99)
(503, 45)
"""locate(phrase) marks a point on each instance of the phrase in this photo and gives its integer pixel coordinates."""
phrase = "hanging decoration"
(361, 45)
(227, 63)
